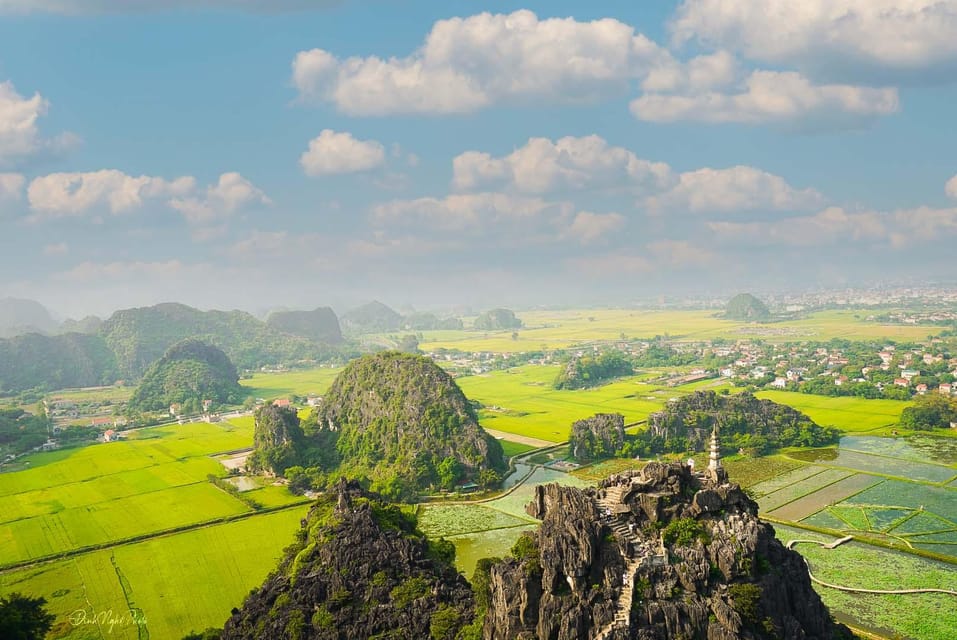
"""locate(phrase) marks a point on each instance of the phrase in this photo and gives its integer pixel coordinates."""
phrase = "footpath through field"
(511, 437)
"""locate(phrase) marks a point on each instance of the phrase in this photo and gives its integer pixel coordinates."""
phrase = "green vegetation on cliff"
(746, 308)
(187, 374)
(396, 421)
(601, 436)
(359, 569)
(278, 439)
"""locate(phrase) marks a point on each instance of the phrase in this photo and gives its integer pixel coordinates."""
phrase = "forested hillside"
(187, 374)
(55, 362)
(744, 422)
(138, 337)
(395, 419)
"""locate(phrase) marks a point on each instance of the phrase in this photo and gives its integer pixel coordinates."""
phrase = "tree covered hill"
(746, 308)
(187, 374)
(396, 421)
(373, 317)
(743, 421)
(140, 336)
(497, 320)
(55, 362)
(320, 324)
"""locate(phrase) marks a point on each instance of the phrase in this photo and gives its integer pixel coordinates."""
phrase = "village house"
(902, 382)
(922, 389)
(281, 403)
(945, 388)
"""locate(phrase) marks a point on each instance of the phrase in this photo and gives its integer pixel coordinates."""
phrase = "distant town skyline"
(252, 154)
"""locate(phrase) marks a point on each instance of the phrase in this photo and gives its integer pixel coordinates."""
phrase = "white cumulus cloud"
(951, 187)
(19, 134)
(736, 189)
(72, 194)
(854, 39)
(771, 97)
(111, 191)
(230, 194)
(335, 152)
(569, 163)
(466, 64)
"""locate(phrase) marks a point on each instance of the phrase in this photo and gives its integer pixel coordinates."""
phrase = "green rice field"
(301, 383)
(154, 481)
(560, 329)
(849, 414)
(156, 577)
(522, 401)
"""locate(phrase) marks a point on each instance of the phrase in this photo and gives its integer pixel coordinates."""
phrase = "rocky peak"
(662, 553)
(358, 569)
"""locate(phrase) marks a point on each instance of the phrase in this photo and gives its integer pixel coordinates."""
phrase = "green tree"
(449, 471)
(24, 618)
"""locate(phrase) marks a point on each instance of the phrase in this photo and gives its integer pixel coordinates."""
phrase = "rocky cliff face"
(359, 569)
(658, 554)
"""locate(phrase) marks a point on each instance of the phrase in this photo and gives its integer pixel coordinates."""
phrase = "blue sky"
(255, 154)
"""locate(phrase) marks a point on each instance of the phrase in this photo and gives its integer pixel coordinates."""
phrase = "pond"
(903, 458)
(490, 529)
(921, 448)
(244, 483)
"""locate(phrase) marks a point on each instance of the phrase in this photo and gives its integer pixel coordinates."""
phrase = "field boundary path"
(830, 545)
(513, 437)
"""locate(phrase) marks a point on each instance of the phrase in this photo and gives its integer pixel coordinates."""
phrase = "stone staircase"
(607, 504)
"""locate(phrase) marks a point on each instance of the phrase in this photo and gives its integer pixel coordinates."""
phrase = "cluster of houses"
(781, 366)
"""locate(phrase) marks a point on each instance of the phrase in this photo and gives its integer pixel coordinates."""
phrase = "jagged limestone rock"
(655, 555)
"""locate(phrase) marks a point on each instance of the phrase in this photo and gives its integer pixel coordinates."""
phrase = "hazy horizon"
(256, 155)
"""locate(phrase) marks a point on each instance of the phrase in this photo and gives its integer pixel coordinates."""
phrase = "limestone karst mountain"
(659, 554)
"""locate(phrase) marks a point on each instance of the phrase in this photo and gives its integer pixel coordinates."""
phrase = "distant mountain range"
(125, 345)
(18, 317)
(36, 352)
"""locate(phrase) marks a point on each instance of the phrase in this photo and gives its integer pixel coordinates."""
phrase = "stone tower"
(715, 471)
(715, 457)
